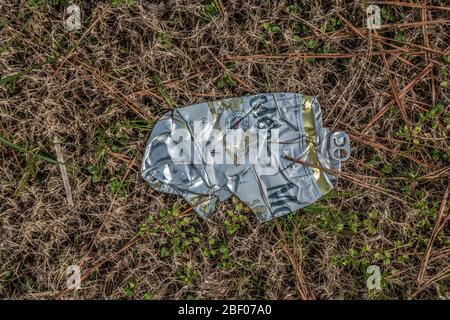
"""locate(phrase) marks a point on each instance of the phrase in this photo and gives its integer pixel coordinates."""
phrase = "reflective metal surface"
(209, 151)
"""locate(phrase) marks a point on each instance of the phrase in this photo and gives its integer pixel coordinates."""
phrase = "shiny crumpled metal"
(244, 146)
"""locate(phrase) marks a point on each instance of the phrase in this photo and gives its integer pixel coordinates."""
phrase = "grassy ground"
(95, 95)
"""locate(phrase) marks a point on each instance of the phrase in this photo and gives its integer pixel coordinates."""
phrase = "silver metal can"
(244, 146)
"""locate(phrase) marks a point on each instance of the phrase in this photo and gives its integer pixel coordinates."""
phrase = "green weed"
(187, 274)
(119, 3)
(130, 288)
(211, 10)
(225, 82)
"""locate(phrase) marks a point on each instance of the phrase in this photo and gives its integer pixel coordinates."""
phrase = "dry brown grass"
(109, 83)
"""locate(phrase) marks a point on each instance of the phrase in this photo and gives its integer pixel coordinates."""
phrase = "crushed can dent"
(182, 151)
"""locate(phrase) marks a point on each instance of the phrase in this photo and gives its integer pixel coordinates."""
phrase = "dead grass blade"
(387, 70)
(77, 44)
(394, 88)
(64, 175)
(402, 93)
(300, 55)
(143, 113)
(21, 149)
(426, 42)
(441, 220)
(302, 287)
(232, 75)
(365, 140)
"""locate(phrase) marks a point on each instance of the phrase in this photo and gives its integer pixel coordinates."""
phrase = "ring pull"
(339, 146)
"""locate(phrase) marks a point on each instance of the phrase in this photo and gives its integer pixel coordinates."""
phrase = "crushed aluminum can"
(244, 146)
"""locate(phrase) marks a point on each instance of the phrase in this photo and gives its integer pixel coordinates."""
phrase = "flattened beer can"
(270, 150)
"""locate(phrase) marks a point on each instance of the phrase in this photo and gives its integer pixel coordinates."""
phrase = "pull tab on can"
(338, 149)
(339, 146)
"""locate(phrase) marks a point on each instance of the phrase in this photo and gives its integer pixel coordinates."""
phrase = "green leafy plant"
(370, 223)
(225, 81)
(299, 30)
(35, 3)
(187, 274)
(293, 8)
(119, 187)
(148, 296)
(386, 15)
(130, 288)
(118, 3)
(271, 28)
(211, 10)
(234, 219)
(164, 40)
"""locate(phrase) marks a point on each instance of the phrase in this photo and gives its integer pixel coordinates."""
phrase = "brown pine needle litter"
(80, 200)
